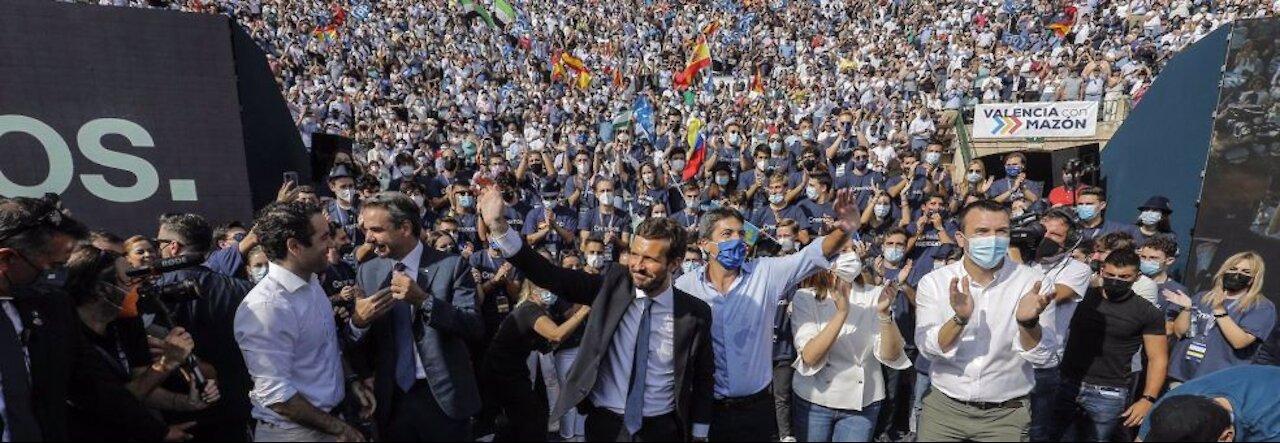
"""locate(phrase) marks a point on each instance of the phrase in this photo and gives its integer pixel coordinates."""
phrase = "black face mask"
(451, 165)
(1049, 249)
(1117, 290)
(1096, 266)
(1236, 282)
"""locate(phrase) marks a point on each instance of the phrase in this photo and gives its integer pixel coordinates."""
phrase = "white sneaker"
(788, 440)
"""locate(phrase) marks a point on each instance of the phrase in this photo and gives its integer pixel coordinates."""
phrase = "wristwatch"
(1150, 398)
(959, 321)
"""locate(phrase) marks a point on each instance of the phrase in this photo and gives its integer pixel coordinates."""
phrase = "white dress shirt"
(1073, 274)
(286, 332)
(16, 319)
(849, 377)
(988, 364)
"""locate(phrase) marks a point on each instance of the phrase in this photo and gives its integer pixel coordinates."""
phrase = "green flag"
(470, 7)
(504, 12)
(688, 98)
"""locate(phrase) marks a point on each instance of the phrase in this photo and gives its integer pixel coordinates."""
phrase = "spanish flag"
(573, 63)
(557, 68)
(699, 60)
(584, 80)
(617, 78)
(710, 29)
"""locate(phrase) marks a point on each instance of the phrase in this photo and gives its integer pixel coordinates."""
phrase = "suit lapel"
(619, 303)
(685, 327)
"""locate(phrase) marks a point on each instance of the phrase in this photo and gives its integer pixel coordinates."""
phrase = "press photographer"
(127, 379)
(209, 321)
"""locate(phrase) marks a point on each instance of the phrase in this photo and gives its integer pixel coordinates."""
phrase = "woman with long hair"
(1224, 326)
(844, 334)
(973, 181)
(512, 392)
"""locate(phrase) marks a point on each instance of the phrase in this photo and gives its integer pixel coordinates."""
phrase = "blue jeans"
(917, 402)
(816, 423)
(1085, 412)
(1043, 398)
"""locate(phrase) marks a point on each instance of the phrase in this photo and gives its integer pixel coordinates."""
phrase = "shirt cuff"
(508, 243)
(700, 430)
(356, 332)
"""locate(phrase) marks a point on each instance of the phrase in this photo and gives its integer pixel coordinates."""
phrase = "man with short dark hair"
(206, 320)
(1091, 207)
(416, 329)
(285, 330)
(36, 364)
(644, 371)
(981, 324)
(1109, 326)
(744, 299)
(1015, 185)
(1243, 405)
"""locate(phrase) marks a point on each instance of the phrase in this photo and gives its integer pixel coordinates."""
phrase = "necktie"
(406, 368)
(634, 414)
(19, 416)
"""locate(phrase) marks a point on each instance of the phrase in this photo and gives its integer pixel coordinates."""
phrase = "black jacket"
(610, 295)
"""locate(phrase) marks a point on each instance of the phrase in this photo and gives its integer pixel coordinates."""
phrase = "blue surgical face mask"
(732, 254)
(467, 201)
(1086, 212)
(548, 299)
(1150, 218)
(775, 146)
(882, 211)
(1013, 171)
(775, 199)
(974, 178)
(690, 267)
(1149, 268)
(894, 255)
(811, 192)
(860, 165)
(722, 180)
(933, 158)
(988, 252)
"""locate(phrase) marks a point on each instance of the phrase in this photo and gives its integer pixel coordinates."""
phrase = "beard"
(650, 284)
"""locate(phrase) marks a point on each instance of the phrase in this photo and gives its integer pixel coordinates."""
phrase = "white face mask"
(347, 195)
(788, 245)
(847, 266)
(595, 261)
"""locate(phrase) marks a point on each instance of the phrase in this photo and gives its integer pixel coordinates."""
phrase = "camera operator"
(1054, 237)
(208, 319)
(36, 327)
(128, 380)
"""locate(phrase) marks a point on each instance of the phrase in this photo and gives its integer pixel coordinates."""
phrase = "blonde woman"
(139, 251)
(844, 333)
(510, 389)
(1224, 327)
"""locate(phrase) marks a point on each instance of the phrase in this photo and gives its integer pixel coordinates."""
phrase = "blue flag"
(643, 113)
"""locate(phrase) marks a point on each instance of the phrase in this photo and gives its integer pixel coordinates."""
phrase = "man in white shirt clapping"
(979, 322)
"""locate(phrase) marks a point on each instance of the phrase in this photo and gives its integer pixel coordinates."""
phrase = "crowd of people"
(535, 189)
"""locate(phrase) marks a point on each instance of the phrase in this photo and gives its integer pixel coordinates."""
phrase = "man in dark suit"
(40, 348)
(644, 370)
(425, 387)
(209, 319)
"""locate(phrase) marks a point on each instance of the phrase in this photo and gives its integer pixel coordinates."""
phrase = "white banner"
(1026, 120)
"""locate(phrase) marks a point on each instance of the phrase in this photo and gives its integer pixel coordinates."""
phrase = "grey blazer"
(453, 322)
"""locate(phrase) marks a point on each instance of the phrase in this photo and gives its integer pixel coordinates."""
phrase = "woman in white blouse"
(844, 332)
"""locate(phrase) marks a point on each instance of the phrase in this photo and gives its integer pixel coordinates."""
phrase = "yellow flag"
(584, 80)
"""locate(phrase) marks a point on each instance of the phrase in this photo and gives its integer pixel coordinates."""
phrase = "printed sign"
(1026, 120)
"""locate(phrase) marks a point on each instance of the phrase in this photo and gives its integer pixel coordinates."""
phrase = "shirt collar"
(414, 259)
(663, 299)
(286, 278)
(1006, 270)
